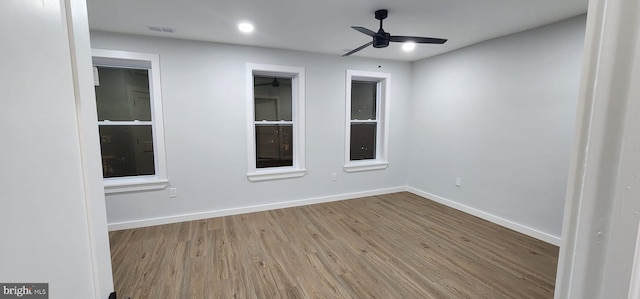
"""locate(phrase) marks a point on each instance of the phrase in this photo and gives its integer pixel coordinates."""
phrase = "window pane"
(363, 141)
(274, 146)
(272, 98)
(363, 100)
(126, 151)
(123, 94)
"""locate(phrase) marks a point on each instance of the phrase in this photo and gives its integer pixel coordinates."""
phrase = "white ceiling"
(324, 26)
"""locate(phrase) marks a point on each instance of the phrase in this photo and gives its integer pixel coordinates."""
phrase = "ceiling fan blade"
(364, 30)
(358, 49)
(417, 39)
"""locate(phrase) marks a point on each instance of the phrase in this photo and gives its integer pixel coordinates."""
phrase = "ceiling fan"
(274, 83)
(381, 38)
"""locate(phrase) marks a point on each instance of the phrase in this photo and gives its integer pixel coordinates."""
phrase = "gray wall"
(500, 115)
(203, 88)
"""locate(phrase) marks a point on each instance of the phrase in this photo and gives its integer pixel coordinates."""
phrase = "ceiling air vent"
(161, 29)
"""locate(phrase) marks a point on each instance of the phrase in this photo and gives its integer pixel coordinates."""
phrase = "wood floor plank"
(389, 246)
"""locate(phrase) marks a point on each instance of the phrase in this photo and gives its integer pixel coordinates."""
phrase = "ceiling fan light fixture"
(408, 46)
(245, 27)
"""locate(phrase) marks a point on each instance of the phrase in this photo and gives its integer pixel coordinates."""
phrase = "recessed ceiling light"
(409, 46)
(245, 27)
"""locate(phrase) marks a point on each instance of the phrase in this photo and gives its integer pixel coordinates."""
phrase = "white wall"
(48, 230)
(203, 92)
(500, 115)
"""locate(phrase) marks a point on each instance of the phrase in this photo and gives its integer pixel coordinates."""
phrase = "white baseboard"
(295, 203)
(250, 209)
(489, 217)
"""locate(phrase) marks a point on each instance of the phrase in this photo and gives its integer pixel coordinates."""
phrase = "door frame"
(96, 212)
(600, 226)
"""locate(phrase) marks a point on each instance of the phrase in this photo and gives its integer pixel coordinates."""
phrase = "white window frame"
(150, 62)
(383, 93)
(298, 119)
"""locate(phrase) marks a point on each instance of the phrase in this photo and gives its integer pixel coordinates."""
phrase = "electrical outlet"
(173, 192)
(458, 182)
(334, 176)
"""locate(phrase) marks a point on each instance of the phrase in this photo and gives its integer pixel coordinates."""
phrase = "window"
(367, 101)
(129, 108)
(275, 104)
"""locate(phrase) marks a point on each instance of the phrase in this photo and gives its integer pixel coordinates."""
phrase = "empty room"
(342, 149)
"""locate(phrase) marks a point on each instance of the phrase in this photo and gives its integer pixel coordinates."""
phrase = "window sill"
(134, 184)
(263, 175)
(365, 166)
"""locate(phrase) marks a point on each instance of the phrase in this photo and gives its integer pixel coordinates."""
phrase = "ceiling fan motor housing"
(381, 40)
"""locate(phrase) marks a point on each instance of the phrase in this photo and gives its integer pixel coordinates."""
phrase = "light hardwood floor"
(390, 246)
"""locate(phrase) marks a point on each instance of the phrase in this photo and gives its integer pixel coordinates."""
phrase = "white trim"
(297, 76)
(249, 209)
(363, 121)
(151, 62)
(634, 289)
(523, 229)
(121, 185)
(383, 97)
(275, 122)
(365, 165)
(603, 193)
(124, 123)
(115, 58)
(275, 174)
(80, 49)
